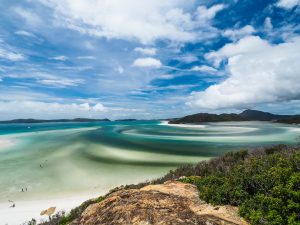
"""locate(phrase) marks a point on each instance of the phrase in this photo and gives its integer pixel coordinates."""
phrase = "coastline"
(166, 123)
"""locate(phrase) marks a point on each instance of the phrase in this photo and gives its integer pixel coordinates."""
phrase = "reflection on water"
(69, 158)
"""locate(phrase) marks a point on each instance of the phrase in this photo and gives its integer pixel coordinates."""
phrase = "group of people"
(24, 189)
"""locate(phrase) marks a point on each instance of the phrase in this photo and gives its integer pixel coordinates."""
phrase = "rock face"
(171, 203)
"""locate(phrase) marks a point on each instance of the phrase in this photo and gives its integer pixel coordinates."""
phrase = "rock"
(173, 203)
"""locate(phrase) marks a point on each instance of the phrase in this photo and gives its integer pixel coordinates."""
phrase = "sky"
(148, 59)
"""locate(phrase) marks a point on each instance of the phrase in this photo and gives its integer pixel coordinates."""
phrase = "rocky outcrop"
(173, 203)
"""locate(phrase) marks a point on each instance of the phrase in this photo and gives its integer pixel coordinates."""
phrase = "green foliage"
(265, 185)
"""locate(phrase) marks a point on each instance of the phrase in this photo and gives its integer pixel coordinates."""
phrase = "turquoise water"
(61, 159)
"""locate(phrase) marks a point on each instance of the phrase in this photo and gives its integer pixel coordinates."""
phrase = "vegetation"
(291, 120)
(247, 115)
(264, 184)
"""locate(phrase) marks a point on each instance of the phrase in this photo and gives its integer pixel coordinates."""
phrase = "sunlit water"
(65, 159)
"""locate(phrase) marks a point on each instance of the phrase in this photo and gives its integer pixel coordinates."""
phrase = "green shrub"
(265, 185)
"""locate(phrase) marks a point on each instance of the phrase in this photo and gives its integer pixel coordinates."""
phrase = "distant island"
(247, 115)
(125, 120)
(55, 120)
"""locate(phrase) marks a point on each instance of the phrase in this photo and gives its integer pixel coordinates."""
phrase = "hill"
(247, 115)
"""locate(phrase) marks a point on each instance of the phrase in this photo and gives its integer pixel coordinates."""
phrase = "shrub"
(265, 185)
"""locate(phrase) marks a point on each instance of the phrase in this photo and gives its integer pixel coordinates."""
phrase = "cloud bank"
(40, 109)
(142, 20)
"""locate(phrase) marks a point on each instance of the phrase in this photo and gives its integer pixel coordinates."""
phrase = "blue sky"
(148, 59)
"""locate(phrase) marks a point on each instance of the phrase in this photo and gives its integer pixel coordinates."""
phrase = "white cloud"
(61, 82)
(239, 33)
(47, 79)
(39, 109)
(288, 4)
(208, 13)
(146, 51)
(147, 62)
(246, 45)
(204, 68)
(12, 56)
(142, 20)
(24, 33)
(59, 58)
(259, 72)
(8, 53)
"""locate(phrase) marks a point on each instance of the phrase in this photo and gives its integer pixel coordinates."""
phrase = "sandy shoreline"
(166, 123)
(24, 211)
(6, 142)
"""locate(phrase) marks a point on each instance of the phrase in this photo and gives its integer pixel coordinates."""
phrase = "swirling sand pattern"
(64, 159)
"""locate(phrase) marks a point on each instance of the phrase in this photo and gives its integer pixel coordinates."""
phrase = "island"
(247, 115)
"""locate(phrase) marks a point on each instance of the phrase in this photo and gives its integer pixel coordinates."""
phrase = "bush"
(265, 185)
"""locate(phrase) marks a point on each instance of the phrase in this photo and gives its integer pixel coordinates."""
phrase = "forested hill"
(247, 115)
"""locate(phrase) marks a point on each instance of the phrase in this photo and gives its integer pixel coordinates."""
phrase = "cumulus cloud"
(142, 20)
(248, 44)
(146, 51)
(288, 4)
(39, 109)
(259, 72)
(147, 62)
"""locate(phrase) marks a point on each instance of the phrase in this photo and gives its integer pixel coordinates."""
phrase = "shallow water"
(66, 159)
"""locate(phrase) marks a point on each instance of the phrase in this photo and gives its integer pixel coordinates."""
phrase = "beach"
(25, 210)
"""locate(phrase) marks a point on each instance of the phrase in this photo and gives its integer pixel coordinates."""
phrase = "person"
(13, 206)
(41, 165)
(22, 190)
